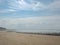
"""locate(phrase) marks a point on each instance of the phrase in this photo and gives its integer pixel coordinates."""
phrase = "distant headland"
(2, 29)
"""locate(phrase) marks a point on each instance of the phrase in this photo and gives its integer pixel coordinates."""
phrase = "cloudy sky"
(30, 15)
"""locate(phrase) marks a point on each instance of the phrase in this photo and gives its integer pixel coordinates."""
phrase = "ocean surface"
(41, 31)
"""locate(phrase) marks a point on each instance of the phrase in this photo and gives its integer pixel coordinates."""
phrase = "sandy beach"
(13, 38)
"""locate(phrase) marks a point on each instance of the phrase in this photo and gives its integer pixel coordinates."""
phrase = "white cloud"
(20, 4)
(23, 5)
(38, 6)
(55, 5)
(7, 10)
(43, 22)
(33, 5)
(14, 5)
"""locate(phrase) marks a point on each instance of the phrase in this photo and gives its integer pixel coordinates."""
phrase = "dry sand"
(13, 38)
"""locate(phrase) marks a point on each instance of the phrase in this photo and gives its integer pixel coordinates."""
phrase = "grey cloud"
(43, 22)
